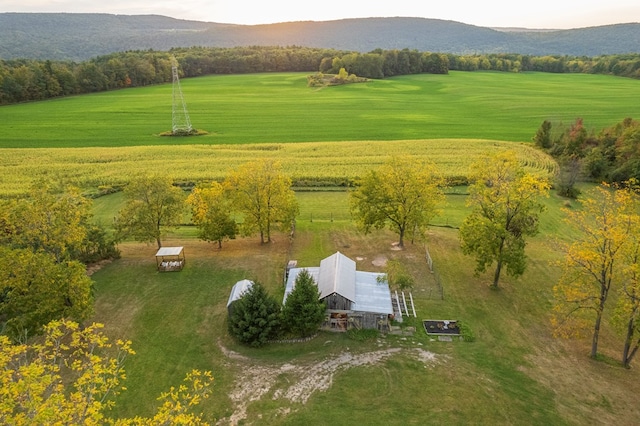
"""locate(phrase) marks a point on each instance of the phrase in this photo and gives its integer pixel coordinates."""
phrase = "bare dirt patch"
(95, 267)
(303, 380)
(380, 261)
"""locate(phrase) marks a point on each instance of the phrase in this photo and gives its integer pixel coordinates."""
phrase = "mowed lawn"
(514, 373)
(279, 107)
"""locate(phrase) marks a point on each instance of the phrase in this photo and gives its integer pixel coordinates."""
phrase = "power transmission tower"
(181, 123)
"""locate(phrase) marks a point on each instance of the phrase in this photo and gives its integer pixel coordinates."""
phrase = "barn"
(354, 299)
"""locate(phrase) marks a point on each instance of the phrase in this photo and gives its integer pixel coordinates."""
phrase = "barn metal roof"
(371, 294)
(337, 275)
(366, 292)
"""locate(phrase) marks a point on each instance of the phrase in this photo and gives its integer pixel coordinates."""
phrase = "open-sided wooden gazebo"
(170, 259)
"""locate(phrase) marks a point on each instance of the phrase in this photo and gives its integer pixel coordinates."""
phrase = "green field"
(280, 108)
(515, 373)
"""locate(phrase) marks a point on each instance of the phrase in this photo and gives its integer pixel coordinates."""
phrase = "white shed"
(237, 291)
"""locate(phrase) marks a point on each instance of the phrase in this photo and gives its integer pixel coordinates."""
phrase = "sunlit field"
(280, 108)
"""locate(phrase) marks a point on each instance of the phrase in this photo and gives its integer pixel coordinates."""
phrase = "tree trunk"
(596, 334)
(159, 243)
(401, 242)
(633, 353)
(628, 353)
(596, 328)
(496, 276)
(627, 344)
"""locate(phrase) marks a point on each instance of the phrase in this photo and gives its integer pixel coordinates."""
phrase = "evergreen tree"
(543, 135)
(255, 318)
(303, 312)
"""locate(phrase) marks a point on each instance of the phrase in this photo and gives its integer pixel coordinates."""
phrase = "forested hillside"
(77, 37)
(31, 80)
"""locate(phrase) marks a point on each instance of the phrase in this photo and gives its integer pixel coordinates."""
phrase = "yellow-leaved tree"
(36, 289)
(594, 264)
(70, 375)
(211, 212)
(262, 193)
(49, 219)
(506, 204)
(626, 316)
(153, 204)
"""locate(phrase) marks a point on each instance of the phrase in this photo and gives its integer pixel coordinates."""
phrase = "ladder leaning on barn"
(400, 306)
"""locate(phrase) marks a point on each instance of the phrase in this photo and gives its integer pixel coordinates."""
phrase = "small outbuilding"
(170, 259)
(237, 291)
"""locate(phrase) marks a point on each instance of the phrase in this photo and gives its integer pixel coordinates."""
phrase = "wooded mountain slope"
(81, 36)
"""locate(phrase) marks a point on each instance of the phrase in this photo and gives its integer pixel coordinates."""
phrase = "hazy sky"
(487, 13)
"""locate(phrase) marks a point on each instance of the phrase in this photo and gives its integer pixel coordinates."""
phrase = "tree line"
(23, 80)
(608, 155)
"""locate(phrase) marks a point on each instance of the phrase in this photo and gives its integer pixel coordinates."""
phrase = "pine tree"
(303, 312)
(255, 318)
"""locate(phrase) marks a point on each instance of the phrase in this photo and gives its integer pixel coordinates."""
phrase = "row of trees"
(259, 192)
(257, 318)
(404, 195)
(386, 63)
(610, 155)
(29, 80)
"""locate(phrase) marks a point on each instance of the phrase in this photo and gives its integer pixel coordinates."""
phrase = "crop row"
(334, 163)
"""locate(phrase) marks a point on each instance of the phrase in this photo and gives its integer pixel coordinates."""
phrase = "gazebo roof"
(169, 251)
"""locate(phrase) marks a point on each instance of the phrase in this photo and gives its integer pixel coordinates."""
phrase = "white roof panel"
(337, 275)
(372, 295)
(238, 290)
(291, 280)
(169, 251)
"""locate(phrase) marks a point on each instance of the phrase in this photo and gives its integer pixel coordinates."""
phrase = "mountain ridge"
(81, 36)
